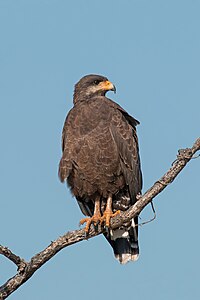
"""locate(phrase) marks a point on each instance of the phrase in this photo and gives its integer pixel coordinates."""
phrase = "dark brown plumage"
(101, 160)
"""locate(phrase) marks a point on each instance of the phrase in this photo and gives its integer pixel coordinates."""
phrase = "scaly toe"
(93, 220)
(116, 213)
(107, 215)
(82, 221)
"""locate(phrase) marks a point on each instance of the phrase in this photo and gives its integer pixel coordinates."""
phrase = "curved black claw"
(96, 227)
(107, 229)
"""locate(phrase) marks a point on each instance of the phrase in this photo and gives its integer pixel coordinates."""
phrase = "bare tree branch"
(13, 257)
(27, 269)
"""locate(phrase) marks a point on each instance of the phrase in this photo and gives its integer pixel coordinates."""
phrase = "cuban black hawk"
(100, 162)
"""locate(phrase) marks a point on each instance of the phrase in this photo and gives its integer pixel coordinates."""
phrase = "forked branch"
(27, 269)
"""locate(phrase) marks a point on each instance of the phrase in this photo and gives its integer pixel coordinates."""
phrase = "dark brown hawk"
(101, 163)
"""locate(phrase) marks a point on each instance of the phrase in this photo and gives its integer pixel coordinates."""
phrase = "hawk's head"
(92, 85)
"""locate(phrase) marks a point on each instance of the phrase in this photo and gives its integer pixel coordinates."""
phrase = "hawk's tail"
(124, 242)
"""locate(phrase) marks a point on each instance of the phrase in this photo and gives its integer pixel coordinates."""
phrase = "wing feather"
(123, 130)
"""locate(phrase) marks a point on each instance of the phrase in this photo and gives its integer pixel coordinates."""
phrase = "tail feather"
(124, 242)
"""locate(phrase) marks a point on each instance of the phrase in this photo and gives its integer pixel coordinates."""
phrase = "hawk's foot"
(107, 215)
(95, 220)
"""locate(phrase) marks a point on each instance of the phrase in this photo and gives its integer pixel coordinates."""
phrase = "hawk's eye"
(96, 82)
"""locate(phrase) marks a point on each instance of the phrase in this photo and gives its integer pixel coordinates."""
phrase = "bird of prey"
(100, 162)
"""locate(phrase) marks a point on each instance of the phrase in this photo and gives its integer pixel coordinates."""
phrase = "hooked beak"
(114, 89)
(108, 86)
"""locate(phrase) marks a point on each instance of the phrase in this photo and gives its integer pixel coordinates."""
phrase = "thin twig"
(152, 219)
(183, 157)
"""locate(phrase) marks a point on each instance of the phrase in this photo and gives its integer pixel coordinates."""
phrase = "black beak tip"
(114, 89)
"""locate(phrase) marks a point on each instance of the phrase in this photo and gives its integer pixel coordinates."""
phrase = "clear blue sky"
(151, 51)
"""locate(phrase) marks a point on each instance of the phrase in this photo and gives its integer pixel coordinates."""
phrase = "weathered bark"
(27, 269)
